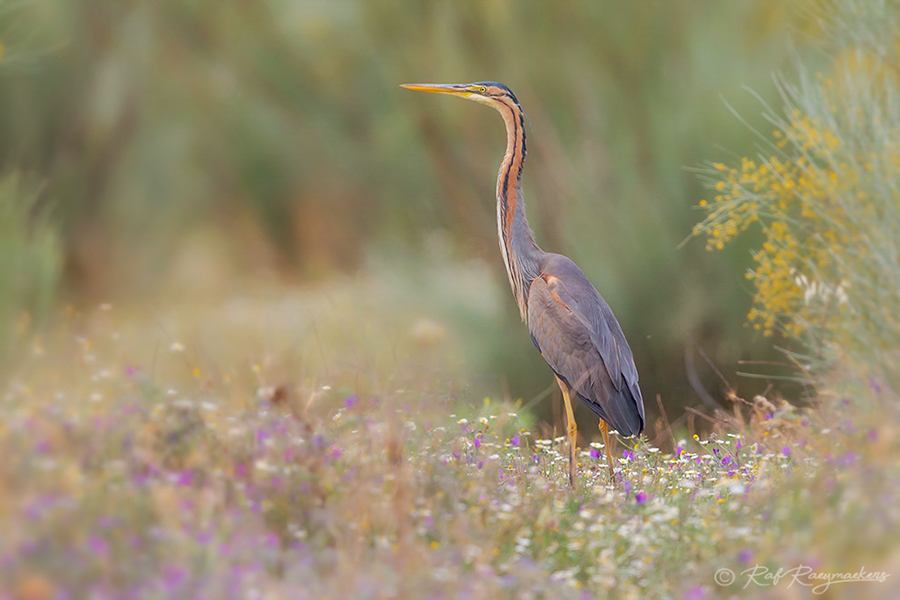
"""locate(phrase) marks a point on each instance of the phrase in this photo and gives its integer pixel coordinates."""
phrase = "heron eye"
(482, 89)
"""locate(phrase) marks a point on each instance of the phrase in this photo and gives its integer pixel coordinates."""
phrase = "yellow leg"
(604, 431)
(572, 429)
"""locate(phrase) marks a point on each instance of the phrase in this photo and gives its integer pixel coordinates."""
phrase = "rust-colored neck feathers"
(520, 252)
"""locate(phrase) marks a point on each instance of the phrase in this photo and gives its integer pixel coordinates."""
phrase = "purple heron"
(571, 324)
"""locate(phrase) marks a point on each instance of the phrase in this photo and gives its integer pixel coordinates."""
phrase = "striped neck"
(521, 254)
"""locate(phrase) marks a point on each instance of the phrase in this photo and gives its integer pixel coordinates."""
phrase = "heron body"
(571, 324)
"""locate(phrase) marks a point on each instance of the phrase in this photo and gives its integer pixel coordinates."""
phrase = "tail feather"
(619, 412)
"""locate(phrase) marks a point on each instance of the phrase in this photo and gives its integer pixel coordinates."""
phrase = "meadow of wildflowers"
(265, 467)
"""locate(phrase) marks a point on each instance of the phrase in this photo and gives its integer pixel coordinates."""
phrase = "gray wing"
(578, 335)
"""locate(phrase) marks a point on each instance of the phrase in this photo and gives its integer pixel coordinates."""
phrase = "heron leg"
(604, 431)
(572, 429)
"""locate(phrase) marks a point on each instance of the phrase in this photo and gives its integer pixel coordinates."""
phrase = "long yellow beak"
(438, 88)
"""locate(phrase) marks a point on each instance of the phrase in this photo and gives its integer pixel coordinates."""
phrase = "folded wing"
(579, 337)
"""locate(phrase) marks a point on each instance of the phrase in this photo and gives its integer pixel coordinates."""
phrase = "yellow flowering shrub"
(825, 193)
(792, 198)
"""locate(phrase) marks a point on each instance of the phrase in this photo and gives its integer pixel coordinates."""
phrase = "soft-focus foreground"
(264, 448)
(138, 469)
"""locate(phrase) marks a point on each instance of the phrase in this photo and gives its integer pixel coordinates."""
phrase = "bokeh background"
(157, 153)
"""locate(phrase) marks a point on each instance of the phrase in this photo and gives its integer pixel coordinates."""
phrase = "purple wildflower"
(785, 451)
(173, 577)
(640, 497)
(97, 545)
(848, 459)
(595, 453)
(695, 593)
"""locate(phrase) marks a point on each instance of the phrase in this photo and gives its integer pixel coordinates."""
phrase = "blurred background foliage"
(152, 151)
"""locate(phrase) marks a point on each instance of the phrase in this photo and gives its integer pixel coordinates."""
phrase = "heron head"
(485, 92)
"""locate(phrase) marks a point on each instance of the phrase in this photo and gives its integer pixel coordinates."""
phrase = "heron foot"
(607, 448)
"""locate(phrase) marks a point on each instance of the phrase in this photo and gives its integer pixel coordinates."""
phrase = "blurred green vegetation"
(32, 258)
(184, 146)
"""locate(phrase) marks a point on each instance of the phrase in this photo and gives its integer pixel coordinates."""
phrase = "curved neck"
(521, 253)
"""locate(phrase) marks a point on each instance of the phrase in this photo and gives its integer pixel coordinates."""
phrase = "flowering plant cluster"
(174, 478)
(824, 191)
